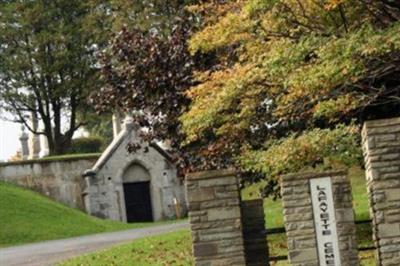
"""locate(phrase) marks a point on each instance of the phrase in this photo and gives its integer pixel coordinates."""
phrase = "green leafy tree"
(47, 64)
(48, 57)
(98, 125)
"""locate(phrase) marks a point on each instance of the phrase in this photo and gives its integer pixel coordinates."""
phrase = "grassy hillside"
(26, 216)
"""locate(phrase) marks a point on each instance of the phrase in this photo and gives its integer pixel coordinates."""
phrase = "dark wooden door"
(138, 202)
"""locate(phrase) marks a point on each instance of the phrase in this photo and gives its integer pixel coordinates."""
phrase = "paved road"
(50, 252)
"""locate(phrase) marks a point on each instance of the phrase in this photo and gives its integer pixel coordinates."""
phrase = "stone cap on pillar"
(309, 175)
(210, 174)
(382, 122)
(380, 126)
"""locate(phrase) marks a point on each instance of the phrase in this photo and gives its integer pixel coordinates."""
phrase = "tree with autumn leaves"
(273, 86)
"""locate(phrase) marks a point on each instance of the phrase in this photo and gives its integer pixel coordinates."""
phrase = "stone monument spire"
(34, 140)
(24, 143)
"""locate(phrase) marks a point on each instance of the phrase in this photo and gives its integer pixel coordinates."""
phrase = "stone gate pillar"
(215, 218)
(381, 145)
(319, 219)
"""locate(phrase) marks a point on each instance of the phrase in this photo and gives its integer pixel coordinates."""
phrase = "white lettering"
(324, 220)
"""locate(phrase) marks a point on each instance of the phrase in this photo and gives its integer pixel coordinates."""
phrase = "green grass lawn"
(175, 248)
(274, 212)
(168, 249)
(26, 216)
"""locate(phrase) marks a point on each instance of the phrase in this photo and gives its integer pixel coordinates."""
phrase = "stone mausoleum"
(133, 186)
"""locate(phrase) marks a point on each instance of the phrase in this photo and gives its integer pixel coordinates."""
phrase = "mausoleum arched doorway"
(134, 186)
(137, 194)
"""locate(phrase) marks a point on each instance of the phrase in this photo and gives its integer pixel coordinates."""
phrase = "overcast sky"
(9, 138)
(9, 143)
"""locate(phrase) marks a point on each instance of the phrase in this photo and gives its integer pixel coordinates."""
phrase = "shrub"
(87, 145)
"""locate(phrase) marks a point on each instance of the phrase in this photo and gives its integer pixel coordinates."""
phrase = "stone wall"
(381, 145)
(215, 218)
(59, 179)
(299, 220)
(255, 240)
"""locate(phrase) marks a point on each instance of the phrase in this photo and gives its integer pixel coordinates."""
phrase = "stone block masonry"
(59, 179)
(215, 218)
(381, 147)
(305, 224)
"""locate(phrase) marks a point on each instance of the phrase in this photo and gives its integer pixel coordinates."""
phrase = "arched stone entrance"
(122, 183)
(137, 194)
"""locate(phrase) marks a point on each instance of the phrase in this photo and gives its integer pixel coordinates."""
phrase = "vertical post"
(319, 219)
(381, 146)
(215, 218)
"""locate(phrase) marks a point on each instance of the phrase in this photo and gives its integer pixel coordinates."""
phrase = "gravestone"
(319, 219)
(381, 145)
(215, 218)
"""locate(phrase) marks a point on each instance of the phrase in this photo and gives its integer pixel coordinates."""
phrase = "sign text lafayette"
(324, 220)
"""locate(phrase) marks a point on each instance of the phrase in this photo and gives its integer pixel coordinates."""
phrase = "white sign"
(325, 222)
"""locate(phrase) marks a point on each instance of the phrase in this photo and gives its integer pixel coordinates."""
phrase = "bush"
(86, 145)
